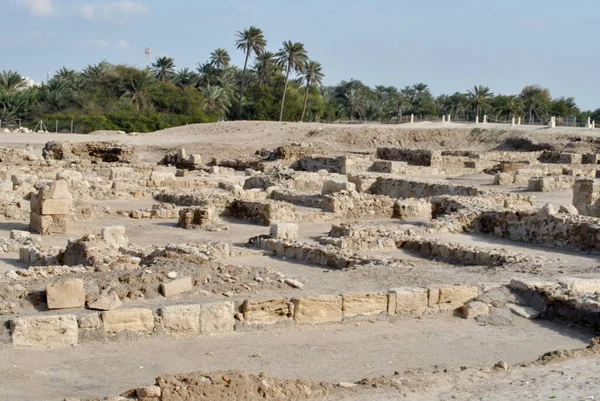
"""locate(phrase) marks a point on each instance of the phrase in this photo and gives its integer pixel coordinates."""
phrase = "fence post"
(519, 123)
(552, 122)
(449, 117)
(589, 123)
(56, 130)
(476, 119)
(71, 126)
(444, 118)
(513, 122)
(485, 118)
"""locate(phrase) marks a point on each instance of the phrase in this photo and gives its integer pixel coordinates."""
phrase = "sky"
(449, 45)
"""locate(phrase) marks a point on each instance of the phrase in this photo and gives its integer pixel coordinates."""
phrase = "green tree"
(292, 56)
(220, 58)
(266, 67)
(11, 81)
(250, 40)
(479, 97)
(186, 78)
(536, 100)
(138, 90)
(217, 101)
(313, 75)
(163, 68)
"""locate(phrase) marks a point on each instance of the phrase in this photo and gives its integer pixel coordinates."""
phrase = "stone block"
(321, 309)
(408, 301)
(196, 160)
(181, 319)
(56, 207)
(332, 186)
(582, 285)
(475, 309)
(364, 304)
(158, 176)
(121, 173)
(55, 190)
(284, 231)
(265, 311)
(89, 321)
(504, 179)
(66, 294)
(176, 287)
(115, 236)
(131, 319)
(109, 301)
(45, 331)
(451, 298)
(523, 311)
(217, 317)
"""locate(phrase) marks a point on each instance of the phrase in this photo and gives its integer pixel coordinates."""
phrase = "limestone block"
(131, 319)
(159, 176)
(69, 175)
(196, 160)
(121, 173)
(582, 285)
(217, 317)
(321, 309)
(451, 298)
(56, 190)
(89, 321)
(45, 331)
(56, 207)
(115, 236)
(504, 179)
(364, 304)
(285, 231)
(66, 294)
(523, 311)
(408, 301)
(109, 301)
(181, 319)
(176, 287)
(265, 311)
(475, 309)
(332, 186)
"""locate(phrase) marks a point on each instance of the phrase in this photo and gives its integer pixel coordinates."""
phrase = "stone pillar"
(519, 123)
(443, 118)
(552, 122)
(52, 209)
(589, 122)
(485, 118)
(476, 119)
(449, 118)
(412, 118)
(513, 122)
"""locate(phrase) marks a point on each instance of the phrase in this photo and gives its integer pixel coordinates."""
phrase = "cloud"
(111, 10)
(39, 8)
(121, 44)
(96, 43)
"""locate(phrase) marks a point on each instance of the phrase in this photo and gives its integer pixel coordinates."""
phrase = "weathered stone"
(523, 311)
(131, 319)
(45, 331)
(149, 393)
(451, 298)
(56, 207)
(284, 231)
(475, 309)
(331, 187)
(364, 304)
(89, 321)
(582, 285)
(265, 311)
(66, 294)
(321, 309)
(181, 319)
(115, 236)
(106, 302)
(217, 317)
(176, 287)
(408, 301)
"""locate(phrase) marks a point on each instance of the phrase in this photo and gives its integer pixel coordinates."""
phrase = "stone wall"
(405, 188)
(549, 184)
(263, 212)
(414, 157)
(586, 197)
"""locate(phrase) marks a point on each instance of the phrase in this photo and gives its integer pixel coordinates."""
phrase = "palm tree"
(313, 75)
(510, 106)
(94, 72)
(163, 68)
(479, 96)
(217, 101)
(138, 90)
(265, 66)
(220, 59)
(355, 103)
(291, 56)
(250, 40)
(11, 81)
(534, 98)
(186, 77)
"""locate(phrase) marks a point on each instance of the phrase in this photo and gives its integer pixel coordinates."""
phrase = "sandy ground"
(336, 352)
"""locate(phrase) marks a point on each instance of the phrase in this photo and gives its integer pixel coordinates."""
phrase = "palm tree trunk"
(305, 100)
(287, 75)
(243, 83)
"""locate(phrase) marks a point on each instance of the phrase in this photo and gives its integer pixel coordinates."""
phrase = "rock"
(181, 319)
(451, 298)
(568, 209)
(547, 210)
(265, 311)
(149, 393)
(364, 304)
(115, 236)
(332, 186)
(582, 285)
(45, 331)
(347, 385)
(408, 301)
(172, 275)
(177, 287)
(106, 302)
(66, 294)
(284, 231)
(523, 311)
(89, 321)
(497, 317)
(294, 283)
(501, 365)
(131, 319)
(321, 309)
(475, 309)
(217, 317)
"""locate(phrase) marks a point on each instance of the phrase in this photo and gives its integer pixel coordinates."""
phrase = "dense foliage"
(283, 85)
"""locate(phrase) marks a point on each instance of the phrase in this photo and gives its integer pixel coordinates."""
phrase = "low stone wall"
(414, 157)
(263, 212)
(550, 156)
(405, 188)
(549, 184)
(586, 197)
(389, 167)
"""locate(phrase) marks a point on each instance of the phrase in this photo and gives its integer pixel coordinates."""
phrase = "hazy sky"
(450, 45)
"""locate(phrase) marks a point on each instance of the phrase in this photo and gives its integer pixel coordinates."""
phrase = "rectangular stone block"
(121, 173)
(45, 331)
(582, 285)
(409, 301)
(217, 317)
(285, 231)
(56, 206)
(181, 319)
(132, 319)
(176, 287)
(321, 309)
(451, 298)
(364, 304)
(265, 311)
(66, 294)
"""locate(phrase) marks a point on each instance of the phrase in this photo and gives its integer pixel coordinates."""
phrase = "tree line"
(283, 85)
